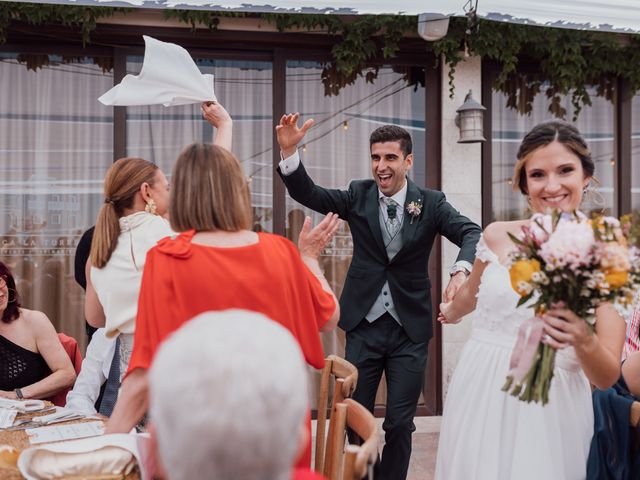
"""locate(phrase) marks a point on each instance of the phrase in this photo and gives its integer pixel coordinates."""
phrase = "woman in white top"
(130, 222)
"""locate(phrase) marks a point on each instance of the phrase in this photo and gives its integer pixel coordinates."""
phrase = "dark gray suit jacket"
(407, 272)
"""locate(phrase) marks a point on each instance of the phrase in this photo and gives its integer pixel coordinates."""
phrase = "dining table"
(18, 439)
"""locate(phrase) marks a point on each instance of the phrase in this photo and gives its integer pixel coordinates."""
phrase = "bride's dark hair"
(542, 135)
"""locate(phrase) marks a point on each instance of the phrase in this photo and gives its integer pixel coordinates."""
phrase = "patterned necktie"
(112, 385)
(392, 222)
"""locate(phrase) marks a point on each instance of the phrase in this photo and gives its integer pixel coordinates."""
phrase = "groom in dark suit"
(385, 304)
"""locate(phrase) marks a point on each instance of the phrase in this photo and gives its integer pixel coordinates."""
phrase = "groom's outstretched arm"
(299, 185)
(458, 229)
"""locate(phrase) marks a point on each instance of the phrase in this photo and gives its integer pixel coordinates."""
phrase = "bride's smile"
(555, 178)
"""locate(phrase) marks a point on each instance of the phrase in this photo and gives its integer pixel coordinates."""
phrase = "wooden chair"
(345, 377)
(353, 462)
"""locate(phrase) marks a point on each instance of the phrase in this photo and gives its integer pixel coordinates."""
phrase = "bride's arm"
(495, 239)
(465, 300)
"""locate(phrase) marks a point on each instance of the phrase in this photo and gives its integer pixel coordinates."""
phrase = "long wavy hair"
(12, 312)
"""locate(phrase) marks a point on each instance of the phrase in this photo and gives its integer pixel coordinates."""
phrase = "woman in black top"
(33, 363)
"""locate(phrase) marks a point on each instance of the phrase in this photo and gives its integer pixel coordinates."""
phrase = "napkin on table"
(22, 406)
(60, 415)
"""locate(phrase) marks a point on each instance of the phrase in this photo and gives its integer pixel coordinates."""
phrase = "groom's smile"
(389, 166)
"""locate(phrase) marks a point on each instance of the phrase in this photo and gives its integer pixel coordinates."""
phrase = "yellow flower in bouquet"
(616, 278)
(521, 274)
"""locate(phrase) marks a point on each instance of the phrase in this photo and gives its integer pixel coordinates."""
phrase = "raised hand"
(312, 241)
(289, 134)
(215, 114)
(219, 118)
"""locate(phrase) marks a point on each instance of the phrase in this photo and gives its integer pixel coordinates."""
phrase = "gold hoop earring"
(150, 207)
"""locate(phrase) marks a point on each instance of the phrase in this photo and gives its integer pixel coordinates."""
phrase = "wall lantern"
(470, 120)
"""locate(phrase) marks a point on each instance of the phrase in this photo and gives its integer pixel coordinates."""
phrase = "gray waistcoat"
(384, 302)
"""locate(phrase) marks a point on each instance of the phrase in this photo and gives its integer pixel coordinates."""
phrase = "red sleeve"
(146, 335)
(323, 302)
(306, 474)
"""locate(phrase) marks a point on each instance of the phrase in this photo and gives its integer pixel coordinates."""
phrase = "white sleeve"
(290, 164)
(94, 372)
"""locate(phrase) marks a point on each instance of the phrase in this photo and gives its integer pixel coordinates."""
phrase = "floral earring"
(150, 207)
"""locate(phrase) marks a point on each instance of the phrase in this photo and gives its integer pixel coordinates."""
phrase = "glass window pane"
(159, 133)
(56, 143)
(596, 123)
(336, 149)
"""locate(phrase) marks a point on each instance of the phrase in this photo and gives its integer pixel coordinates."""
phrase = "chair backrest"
(70, 346)
(345, 377)
(354, 462)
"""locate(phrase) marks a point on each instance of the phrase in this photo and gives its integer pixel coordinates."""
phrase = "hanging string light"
(345, 125)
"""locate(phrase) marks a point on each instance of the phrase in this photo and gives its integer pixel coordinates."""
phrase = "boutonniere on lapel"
(414, 208)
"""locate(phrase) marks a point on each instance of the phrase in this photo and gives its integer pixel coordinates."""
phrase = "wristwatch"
(459, 268)
(19, 394)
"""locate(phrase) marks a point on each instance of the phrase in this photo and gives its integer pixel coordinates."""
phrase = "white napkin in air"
(22, 406)
(169, 76)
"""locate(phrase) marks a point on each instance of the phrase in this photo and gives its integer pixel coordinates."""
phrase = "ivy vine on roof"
(558, 61)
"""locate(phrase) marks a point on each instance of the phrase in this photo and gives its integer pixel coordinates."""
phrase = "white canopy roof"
(610, 15)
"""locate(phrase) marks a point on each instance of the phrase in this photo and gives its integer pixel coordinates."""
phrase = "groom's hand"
(455, 283)
(289, 134)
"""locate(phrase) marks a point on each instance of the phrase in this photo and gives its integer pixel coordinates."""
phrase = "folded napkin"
(22, 406)
(60, 415)
(96, 457)
(169, 76)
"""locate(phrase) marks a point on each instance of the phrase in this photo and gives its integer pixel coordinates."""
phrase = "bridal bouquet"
(570, 259)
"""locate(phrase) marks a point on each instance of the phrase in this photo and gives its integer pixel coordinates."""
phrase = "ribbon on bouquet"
(524, 352)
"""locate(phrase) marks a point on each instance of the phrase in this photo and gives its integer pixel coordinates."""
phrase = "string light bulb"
(345, 125)
(613, 162)
(249, 179)
(304, 147)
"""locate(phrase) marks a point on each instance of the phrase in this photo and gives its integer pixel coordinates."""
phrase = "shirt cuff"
(290, 164)
(462, 264)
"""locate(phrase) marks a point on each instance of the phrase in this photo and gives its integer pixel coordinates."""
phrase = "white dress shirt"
(94, 372)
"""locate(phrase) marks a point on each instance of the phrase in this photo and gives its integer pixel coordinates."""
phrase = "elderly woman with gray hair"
(246, 416)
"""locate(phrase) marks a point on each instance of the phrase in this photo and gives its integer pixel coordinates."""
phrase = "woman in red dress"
(218, 263)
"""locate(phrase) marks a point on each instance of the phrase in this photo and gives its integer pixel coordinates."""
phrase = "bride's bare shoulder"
(496, 233)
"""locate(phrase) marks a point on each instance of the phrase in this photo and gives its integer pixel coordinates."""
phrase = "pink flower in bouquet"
(570, 245)
(539, 227)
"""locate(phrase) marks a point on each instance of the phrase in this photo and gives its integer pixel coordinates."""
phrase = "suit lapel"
(410, 223)
(372, 214)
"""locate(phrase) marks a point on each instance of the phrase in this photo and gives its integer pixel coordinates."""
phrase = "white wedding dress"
(486, 434)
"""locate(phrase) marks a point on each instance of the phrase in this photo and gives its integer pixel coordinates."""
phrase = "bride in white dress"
(487, 434)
